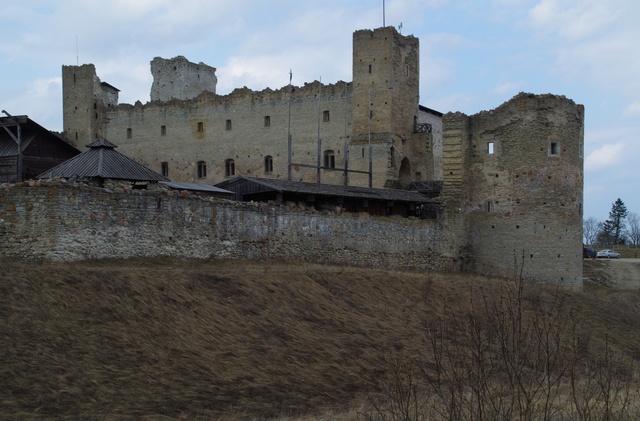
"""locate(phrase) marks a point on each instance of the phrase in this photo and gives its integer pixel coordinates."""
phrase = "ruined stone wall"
(62, 222)
(434, 169)
(177, 78)
(522, 188)
(245, 126)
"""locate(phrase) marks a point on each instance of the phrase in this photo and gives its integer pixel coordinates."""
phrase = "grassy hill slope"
(234, 339)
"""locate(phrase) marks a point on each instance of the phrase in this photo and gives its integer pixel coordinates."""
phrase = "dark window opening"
(129, 133)
(325, 115)
(268, 164)
(200, 127)
(267, 121)
(163, 130)
(229, 168)
(164, 169)
(329, 159)
(227, 125)
(554, 148)
(369, 68)
(202, 169)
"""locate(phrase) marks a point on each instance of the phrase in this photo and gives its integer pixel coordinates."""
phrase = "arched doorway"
(405, 173)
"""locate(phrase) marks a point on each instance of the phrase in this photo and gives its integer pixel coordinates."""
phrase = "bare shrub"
(512, 354)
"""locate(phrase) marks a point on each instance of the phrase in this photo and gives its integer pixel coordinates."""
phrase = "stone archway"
(405, 173)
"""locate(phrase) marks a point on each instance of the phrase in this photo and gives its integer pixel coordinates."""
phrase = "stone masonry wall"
(523, 187)
(62, 222)
(177, 78)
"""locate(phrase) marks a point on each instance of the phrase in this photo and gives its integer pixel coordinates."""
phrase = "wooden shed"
(28, 149)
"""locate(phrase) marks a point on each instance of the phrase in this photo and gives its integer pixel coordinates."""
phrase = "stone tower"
(385, 98)
(178, 78)
(84, 103)
(80, 88)
(514, 175)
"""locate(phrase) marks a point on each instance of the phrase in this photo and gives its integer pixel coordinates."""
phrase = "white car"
(609, 254)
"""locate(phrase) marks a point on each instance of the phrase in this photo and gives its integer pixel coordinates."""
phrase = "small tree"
(613, 228)
(633, 229)
(590, 228)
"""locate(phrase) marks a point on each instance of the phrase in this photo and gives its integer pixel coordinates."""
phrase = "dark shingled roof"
(103, 161)
(282, 186)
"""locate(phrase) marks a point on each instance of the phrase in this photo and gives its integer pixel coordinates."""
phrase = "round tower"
(522, 188)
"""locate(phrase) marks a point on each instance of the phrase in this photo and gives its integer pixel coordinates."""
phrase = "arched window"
(202, 169)
(329, 159)
(229, 168)
(268, 164)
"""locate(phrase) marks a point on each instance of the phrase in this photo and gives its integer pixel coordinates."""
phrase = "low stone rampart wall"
(65, 221)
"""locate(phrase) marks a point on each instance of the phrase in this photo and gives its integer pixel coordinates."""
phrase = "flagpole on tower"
(383, 20)
(289, 145)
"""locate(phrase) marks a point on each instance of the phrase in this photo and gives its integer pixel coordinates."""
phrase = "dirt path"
(613, 273)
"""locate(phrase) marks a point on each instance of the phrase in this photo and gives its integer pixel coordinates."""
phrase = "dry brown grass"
(231, 339)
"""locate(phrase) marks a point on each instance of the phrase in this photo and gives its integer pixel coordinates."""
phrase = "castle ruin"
(510, 179)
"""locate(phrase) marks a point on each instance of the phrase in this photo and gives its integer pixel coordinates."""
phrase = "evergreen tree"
(613, 228)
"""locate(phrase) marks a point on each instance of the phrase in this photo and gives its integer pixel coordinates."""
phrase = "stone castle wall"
(245, 126)
(186, 122)
(61, 222)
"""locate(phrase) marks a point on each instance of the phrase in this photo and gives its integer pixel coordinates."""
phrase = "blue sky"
(474, 56)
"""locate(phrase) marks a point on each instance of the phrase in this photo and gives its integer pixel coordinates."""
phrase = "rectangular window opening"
(163, 130)
(202, 169)
(325, 115)
(227, 125)
(200, 127)
(267, 121)
(129, 133)
(229, 168)
(490, 148)
(554, 148)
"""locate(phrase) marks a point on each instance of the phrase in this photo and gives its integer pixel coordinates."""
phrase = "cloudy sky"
(475, 55)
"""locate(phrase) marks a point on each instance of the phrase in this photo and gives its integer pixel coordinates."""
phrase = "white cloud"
(632, 110)
(605, 156)
(40, 100)
(506, 89)
(572, 19)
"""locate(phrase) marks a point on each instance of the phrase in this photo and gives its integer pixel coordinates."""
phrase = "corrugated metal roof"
(195, 187)
(329, 189)
(103, 161)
